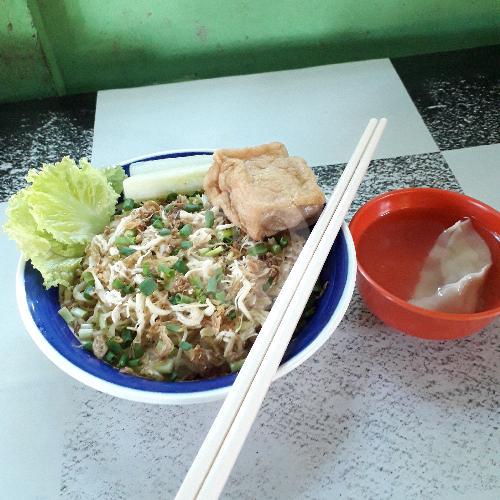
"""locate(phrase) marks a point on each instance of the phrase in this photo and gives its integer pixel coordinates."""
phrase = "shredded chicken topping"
(174, 291)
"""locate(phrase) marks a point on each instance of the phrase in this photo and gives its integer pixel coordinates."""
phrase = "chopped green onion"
(209, 218)
(180, 298)
(236, 365)
(193, 207)
(165, 368)
(213, 252)
(185, 299)
(110, 357)
(173, 327)
(185, 346)
(158, 224)
(128, 204)
(226, 235)
(88, 278)
(181, 266)
(85, 333)
(130, 233)
(213, 281)
(231, 314)
(164, 231)
(186, 230)
(138, 350)
(130, 288)
(168, 272)
(163, 268)
(102, 321)
(126, 336)
(146, 271)
(172, 196)
(78, 312)
(198, 288)
(283, 241)
(87, 346)
(148, 286)
(276, 249)
(114, 346)
(220, 296)
(117, 284)
(134, 362)
(155, 217)
(126, 251)
(195, 281)
(123, 360)
(186, 244)
(258, 249)
(88, 292)
(123, 241)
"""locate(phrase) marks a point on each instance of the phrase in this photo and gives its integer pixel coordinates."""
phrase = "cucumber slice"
(157, 185)
(150, 166)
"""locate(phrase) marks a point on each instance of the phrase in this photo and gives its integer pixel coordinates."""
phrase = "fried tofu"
(263, 190)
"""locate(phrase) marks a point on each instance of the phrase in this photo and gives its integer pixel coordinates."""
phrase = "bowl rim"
(458, 317)
(203, 396)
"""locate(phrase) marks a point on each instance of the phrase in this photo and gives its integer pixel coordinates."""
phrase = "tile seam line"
(436, 145)
(46, 47)
(470, 147)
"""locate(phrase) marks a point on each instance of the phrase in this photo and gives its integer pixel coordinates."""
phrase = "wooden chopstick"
(235, 438)
(214, 439)
(202, 478)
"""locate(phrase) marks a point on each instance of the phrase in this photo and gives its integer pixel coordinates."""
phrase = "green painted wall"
(96, 44)
(23, 72)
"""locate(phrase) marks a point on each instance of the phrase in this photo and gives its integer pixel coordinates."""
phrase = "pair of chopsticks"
(213, 463)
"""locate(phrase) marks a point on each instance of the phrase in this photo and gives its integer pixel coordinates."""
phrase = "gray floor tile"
(319, 113)
(478, 172)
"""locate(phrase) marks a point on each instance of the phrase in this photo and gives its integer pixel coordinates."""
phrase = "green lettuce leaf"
(56, 270)
(56, 262)
(54, 218)
(115, 176)
(72, 203)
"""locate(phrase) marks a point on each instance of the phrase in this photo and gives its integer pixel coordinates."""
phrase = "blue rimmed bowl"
(38, 308)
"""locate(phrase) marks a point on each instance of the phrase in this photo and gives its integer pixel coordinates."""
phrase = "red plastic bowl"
(383, 291)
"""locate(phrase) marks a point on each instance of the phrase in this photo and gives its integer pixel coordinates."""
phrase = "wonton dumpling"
(454, 271)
